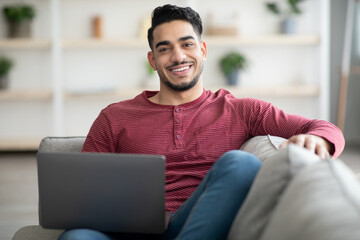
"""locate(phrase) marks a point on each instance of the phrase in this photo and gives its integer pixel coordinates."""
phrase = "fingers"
(313, 143)
(297, 139)
(322, 151)
(284, 144)
(310, 144)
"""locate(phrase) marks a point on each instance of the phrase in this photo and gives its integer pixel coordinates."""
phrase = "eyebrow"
(182, 39)
(186, 38)
(162, 43)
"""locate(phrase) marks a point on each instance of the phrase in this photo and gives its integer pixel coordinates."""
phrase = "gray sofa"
(295, 196)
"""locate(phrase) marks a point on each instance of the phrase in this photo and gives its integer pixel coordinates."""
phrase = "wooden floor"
(18, 189)
(18, 192)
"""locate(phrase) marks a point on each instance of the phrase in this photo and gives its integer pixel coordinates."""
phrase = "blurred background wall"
(338, 21)
(63, 76)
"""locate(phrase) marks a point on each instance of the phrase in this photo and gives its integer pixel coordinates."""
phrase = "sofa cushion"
(37, 233)
(62, 144)
(263, 147)
(322, 202)
(267, 189)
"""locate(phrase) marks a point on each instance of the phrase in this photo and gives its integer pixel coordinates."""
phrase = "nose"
(178, 55)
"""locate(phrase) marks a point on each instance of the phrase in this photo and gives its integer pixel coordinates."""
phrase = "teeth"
(180, 69)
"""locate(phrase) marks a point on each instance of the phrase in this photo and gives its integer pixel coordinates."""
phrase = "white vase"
(289, 25)
(233, 78)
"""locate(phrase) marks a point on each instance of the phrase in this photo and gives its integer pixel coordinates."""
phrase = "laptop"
(103, 191)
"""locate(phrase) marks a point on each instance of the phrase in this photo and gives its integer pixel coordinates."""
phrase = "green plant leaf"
(19, 12)
(232, 61)
(149, 69)
(273, 7)
(5, 66)
(294, 8)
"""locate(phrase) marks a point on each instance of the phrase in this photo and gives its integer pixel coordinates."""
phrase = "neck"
(168, 96)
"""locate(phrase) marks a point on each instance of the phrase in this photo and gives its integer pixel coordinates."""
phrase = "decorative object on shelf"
(231, 64)
(144, 26)
(97, 27)
(151, 80)
(19, 17)
(289, 21)
(223, 25)
(5, 67)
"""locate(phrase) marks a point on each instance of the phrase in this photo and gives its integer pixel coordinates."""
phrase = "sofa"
(295, 196)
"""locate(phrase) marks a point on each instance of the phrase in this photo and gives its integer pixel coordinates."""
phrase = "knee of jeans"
(237, 160)
(81, 234)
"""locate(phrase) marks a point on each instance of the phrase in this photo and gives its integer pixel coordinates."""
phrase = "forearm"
(264, 118)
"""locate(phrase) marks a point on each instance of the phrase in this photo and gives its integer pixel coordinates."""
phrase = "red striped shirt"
(194, 135)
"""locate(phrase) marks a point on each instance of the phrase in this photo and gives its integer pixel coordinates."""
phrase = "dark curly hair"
(168, 13)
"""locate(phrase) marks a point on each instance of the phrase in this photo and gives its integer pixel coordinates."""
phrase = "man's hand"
(315, 144)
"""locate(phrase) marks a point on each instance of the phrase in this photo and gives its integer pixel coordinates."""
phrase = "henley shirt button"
(178, 136)
(177, 109)
(177, 120)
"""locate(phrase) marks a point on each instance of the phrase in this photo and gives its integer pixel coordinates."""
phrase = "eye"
(163, 49)
(188, 44)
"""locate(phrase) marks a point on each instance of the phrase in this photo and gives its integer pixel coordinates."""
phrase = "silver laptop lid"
(102, 191)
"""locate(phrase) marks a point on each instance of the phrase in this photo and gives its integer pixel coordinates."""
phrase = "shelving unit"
(36, 44)
(21, 44)
(25, 95)
(296, 40)
(19, 144)
(64, 51)
(278, 92)
(299, 40)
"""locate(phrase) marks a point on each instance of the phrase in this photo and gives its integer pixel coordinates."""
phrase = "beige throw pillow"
(269, 185)
(322, 202)
(263, 147)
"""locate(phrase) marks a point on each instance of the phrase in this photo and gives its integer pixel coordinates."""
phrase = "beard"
(182, 86)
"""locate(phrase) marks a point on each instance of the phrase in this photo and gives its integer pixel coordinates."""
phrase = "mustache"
(177, 63)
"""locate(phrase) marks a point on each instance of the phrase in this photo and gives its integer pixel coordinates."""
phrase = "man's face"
(177, 55)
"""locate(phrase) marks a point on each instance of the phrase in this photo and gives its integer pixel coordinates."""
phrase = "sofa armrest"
(37, 233)
(321, 202)
(62, 144)
(263, 147)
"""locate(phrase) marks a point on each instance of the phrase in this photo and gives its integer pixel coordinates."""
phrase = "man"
(198, 131)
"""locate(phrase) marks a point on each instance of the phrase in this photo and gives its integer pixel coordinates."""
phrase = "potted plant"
(288, 23)
(19, 17)
(5, 67)
(231, 64)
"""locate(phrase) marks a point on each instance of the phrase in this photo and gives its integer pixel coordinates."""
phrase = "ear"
(151, 60)
(203, 48)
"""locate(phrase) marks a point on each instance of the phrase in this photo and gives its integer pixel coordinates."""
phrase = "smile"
(180, 69)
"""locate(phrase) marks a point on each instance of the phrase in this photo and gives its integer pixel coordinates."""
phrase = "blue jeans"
(209, 212)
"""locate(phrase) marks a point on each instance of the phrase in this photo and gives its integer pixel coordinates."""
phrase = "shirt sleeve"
(100, 137)
(263, 118)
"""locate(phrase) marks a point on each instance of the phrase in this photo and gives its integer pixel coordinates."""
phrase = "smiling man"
(177, 55)
(199, 132)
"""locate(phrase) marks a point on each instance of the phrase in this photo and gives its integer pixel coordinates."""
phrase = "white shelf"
(14, 44)
(274, 91)
(142, 43)
(25, 94)
(104, 43)
(19, 144)
(210, 40)
(263, 40)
